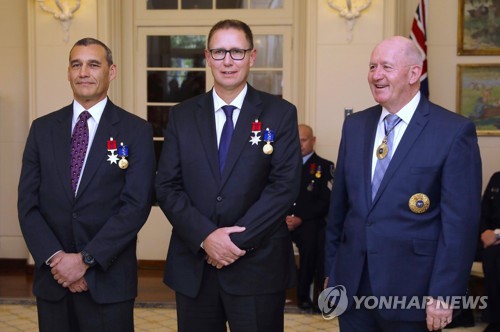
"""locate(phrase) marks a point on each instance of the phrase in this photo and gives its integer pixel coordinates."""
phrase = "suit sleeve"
(337, 210)
(460, 213)
(39, 237)
(266, 215)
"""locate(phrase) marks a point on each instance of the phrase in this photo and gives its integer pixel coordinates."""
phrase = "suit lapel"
(98, 150)
(205, 121)
(249, 112)
(371, 133)
(412, 132)
(61, 140)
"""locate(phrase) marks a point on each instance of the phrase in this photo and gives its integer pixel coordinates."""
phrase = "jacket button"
(75, 215)
(219, 199)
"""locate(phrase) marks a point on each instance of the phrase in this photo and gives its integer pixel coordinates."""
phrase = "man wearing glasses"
(229, 170)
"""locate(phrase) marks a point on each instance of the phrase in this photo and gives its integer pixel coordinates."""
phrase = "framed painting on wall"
(478, 27)
(478, 96)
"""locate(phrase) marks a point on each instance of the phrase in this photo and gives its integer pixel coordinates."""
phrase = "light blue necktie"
(391, 121)
(225, 137)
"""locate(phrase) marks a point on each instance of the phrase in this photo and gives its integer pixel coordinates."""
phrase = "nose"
(84, 71)
(227, 59)
(376, 73)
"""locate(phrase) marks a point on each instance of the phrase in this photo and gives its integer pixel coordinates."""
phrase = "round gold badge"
(419, 203)
(123, 163)
(268, 148)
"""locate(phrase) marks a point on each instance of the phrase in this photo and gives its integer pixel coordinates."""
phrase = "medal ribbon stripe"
(391, 121)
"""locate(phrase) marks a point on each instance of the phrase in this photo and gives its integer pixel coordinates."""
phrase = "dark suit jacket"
(490, 204)
(254, 191)
(111, 206)
(315, 187)
(406, 253)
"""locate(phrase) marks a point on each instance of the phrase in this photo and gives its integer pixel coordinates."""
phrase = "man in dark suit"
(230, 257)
(490, 237)
(306, 217)
(411, 231)
(83, 197)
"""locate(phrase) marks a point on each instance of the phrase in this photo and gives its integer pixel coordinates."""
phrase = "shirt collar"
(306, 158)
(406, 113)
(96, 110)
(238, 101)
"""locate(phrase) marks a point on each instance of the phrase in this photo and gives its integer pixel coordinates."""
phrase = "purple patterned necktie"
(227, 133)
(79, 144)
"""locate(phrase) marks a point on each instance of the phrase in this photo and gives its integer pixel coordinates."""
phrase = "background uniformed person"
(306, 218)
(490, 236)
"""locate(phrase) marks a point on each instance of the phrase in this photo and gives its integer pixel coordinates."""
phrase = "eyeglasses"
(236, 53)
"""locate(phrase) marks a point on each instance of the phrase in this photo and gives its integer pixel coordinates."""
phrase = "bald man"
(306, 218)
(405, 203)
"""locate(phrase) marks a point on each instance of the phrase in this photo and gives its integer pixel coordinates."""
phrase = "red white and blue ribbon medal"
(123, 154)
(256, 129)
(112, 157)
(268, 138)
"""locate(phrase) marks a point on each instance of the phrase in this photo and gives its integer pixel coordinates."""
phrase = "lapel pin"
(256, 128)
(112, 157)
(268, 137)
(123, 154)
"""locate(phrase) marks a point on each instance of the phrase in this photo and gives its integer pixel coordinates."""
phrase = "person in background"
(306, 218)
(405, 204)
(85, 191)
(490, 237)
(228, 172)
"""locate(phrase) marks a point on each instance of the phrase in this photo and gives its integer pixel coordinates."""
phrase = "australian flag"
(419, 36)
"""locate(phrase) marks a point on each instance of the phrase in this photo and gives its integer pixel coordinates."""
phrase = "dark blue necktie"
(225, 137)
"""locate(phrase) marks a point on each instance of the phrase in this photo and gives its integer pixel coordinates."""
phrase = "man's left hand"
(438, 314)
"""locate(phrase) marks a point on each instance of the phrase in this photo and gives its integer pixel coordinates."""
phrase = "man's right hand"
(292, 222)
(221, 251)
(79, 286)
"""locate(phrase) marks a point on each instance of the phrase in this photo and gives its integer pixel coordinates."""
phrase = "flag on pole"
(419, 36)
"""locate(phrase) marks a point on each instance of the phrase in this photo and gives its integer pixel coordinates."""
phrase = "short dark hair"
(231, 24)
(92, 41)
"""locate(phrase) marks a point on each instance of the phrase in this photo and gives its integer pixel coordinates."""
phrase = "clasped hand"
(438, 314)
(68, 270)
(221, 251)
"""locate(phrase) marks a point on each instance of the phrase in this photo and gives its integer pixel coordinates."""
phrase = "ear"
(112, 72)
(208, 58)
(415, 73)
(253, 56)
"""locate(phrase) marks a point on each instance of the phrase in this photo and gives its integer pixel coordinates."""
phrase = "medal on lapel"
(312, 168)
(268, 138)
(318, 172)
(123, 154)
(310, 186)
(112, 158)
(419, 203)
(382, 149)
(256, 128)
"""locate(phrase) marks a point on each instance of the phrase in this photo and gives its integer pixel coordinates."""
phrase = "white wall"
(13, 120)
